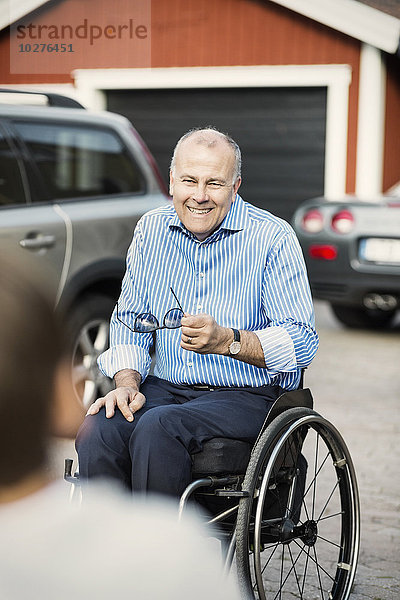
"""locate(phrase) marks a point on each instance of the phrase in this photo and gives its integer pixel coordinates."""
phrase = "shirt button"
(201, 275)
(199, 307)
(190, 364)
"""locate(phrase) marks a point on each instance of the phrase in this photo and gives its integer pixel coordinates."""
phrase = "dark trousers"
(153, 452)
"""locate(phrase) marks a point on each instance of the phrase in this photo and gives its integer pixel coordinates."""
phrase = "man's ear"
(236, 185)
(67, 411)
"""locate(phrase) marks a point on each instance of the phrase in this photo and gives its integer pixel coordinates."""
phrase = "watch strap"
(236, 335)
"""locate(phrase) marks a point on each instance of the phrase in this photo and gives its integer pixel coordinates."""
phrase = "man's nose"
(200, 194)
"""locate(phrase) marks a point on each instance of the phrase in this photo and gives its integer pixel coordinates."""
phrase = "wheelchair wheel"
(298, 531)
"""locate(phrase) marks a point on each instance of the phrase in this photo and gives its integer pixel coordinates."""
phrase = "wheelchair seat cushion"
(222, 456)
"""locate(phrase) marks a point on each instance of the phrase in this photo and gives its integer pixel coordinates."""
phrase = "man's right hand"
(128, 399)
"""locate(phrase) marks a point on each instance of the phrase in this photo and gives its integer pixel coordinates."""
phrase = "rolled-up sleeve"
(129, 350)
(290, 341)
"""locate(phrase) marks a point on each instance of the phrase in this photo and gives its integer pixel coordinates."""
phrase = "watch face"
(234, 348)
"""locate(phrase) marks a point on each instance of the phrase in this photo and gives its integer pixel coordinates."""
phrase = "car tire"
(89, 334)
(363, 318)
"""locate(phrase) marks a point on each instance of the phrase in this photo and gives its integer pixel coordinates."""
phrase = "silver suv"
(73, 185)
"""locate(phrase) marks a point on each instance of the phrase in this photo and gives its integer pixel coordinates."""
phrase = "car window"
(78, 161)
(11, 184)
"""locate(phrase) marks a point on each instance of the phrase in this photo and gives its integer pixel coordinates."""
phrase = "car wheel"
(363, 318)
(89, 330)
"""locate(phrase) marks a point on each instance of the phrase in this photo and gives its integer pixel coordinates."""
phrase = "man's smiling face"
(201, 182)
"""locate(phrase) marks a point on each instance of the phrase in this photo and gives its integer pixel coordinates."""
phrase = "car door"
(92, 175)
(27, 228)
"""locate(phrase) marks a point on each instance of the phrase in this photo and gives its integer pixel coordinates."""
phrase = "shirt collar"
(236, 219)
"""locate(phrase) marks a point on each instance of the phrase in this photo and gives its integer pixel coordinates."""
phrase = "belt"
(203, 387)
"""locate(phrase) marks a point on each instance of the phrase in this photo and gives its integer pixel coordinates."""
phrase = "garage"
(280, 130)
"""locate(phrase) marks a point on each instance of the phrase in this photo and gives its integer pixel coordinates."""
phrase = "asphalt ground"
(355, 381)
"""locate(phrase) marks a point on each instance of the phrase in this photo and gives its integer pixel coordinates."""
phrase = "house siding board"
(242, 32)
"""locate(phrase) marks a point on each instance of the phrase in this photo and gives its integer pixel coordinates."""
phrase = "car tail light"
(323, 251)
(312, 221)
(342, 222)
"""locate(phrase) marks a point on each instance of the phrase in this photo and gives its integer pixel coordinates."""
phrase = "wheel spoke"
(320, 537)
(281, 574)
(318, 572)
(315, 560)
(101, 340)
(85, 342)
(288, 574)
(315, 478)
(79, 373)
(275, 548)
(328, 500)
(316, 475)
(305, 571)
(310, 486)
(340, 513)
(294, 569)
(89, 394)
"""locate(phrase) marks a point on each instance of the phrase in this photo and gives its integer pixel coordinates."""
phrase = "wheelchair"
(286, 509)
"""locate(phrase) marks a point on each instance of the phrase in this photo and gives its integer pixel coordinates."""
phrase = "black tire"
(363, 318)
(298, 532)
(89, 333)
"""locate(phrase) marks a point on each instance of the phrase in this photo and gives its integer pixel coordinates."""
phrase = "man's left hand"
(201, 333)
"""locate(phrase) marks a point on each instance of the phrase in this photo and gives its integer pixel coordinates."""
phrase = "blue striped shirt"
(249, 274)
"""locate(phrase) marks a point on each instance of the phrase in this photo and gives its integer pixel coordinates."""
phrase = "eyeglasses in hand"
(147, 322)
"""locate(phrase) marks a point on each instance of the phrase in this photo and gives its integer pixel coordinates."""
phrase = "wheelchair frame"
(294, 535)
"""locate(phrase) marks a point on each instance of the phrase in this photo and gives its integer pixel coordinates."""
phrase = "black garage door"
(281, 132)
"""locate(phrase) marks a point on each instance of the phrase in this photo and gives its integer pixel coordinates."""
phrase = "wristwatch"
(234, 347)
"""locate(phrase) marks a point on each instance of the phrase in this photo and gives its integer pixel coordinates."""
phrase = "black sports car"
(352, 251)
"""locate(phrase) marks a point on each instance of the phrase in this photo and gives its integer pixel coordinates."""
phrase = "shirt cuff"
(278, 348)
(122, 357)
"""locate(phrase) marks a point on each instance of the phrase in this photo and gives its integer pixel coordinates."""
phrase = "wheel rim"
(89, 382)
(316, 558)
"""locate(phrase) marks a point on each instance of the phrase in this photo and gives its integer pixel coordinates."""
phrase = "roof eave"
(355, 19)
(11, 12)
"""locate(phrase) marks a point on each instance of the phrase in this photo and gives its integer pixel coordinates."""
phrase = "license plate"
(380, 250)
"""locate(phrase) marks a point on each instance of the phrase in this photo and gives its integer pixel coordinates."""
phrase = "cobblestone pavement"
(355, 380)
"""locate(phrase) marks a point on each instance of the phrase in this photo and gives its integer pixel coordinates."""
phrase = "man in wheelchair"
(222, 288)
